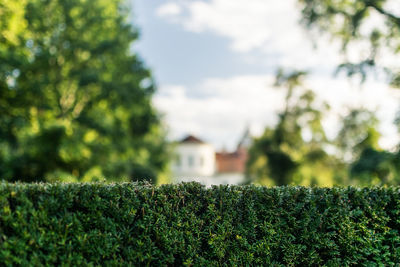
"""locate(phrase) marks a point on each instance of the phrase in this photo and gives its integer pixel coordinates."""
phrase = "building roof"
(228, 162)
(191, 139)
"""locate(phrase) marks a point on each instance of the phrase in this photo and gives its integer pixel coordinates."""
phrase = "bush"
(187, 224)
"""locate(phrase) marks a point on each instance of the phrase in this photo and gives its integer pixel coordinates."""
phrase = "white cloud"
(245, 24)
(271, 27)
(169, 9)
(226, 106)
(219, 109)
(225, 109)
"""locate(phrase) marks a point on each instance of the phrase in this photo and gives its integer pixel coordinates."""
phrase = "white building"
(194, 160)
(198, 161)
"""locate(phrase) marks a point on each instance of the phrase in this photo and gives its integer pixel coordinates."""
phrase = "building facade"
(196, 160)
(193, 159)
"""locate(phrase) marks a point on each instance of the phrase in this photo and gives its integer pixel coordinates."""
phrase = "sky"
(215, 61)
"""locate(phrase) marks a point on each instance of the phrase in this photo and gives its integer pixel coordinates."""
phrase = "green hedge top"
(187, 224)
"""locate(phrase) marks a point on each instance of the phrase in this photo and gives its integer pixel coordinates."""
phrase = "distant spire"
(223, 149)
(246, 140)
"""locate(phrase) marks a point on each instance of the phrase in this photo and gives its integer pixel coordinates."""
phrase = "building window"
(201, 161)
(177, 160)
(190, 161)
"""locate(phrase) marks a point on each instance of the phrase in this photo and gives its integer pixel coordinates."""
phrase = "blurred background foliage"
(297, 151)
(74, 99)
(353, 22)
(283, 156)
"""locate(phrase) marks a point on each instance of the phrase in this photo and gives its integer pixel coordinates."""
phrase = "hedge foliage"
(187, 224)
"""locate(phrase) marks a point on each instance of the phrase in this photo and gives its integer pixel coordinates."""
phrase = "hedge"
(187, 224)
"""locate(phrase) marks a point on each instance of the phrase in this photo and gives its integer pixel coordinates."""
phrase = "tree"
(369, 22)
(283, 155)
(375, 24)
(358, 147)
(375, 167)
(75, 100)
(357, 132)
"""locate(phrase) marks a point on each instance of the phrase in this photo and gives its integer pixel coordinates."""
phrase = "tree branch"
(391, 16)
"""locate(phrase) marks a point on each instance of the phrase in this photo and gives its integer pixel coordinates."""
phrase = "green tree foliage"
(294, 150)
(372, 26)
(374, 23)
(75, 101)
(358, 131)
(358, 146)
(376, 167)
